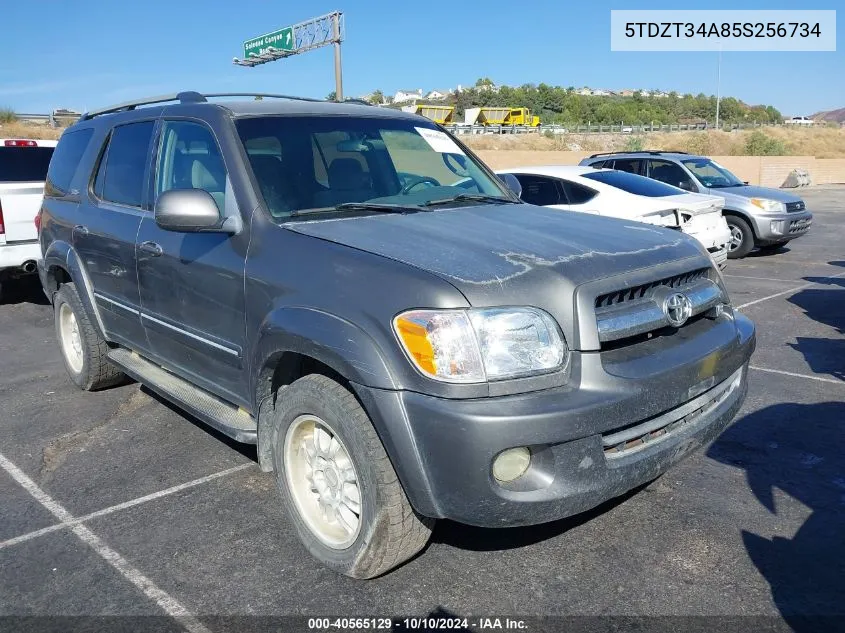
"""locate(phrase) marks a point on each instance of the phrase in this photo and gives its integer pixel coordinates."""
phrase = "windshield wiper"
(360, 206)
(470, 197)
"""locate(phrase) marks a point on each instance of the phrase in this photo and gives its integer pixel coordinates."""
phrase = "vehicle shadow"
(800, 450)
(826, 306)
(759, 252)
(24, 290)
(480, 539)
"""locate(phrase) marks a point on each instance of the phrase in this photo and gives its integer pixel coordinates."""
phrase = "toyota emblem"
(677, 309)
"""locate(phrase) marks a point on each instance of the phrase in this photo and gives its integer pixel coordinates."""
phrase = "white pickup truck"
(23, 170)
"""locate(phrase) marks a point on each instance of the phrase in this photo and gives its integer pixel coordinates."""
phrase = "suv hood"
(753, 191)
(509, 254)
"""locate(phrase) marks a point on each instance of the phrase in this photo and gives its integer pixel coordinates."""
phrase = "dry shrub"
(23, 129)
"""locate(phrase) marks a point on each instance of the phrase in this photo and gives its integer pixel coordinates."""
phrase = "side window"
(65, 160)
(670, 173)
(539, 190)
(577, 194)
(189, 158)
(600, 163)
(631, 165)
(120, 176)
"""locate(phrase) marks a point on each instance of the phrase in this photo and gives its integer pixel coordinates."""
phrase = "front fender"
(333, 341)
(61, 256)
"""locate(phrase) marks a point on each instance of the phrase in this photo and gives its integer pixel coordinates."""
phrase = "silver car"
(757, 216)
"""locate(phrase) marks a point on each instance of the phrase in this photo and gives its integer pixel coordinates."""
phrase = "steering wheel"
(418, 180)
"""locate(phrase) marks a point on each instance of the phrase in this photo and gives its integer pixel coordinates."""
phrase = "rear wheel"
(83, 349)
(345, 500)
(742, 237)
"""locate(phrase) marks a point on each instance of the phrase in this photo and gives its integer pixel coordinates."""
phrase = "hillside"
(837, 116)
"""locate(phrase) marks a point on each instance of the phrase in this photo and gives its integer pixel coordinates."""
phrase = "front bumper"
(623, 419)
(772, 228)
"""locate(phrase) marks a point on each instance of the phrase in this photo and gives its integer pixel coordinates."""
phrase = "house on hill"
(403, 96)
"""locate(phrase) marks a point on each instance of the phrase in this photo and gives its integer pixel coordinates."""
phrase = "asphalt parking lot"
(115, 504)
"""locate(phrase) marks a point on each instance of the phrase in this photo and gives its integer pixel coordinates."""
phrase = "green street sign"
(280, 40)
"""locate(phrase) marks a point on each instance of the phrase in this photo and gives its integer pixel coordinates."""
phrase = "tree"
(377, 97)
(484, 81)
(332, 96)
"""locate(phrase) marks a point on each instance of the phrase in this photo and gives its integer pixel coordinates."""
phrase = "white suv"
(23, 170)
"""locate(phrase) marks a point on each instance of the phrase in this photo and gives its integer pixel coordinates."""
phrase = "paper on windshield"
(439, 141)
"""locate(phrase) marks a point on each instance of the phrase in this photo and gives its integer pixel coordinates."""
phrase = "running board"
(229, 420)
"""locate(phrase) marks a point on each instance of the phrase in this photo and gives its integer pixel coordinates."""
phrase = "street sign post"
(300, 38)
(281, 40)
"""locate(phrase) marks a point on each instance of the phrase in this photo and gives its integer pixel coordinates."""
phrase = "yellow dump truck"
(500, 116)
(437, 113)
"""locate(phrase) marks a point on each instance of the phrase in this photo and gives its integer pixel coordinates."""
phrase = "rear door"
(23, 170)
(107, 224)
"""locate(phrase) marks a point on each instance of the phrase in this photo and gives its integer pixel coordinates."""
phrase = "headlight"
(476, 345)
(772, 206)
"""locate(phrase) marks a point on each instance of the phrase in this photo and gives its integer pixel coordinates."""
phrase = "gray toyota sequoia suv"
(352, 290)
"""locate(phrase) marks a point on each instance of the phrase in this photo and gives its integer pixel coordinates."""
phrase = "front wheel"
(742, 237)
(336, 479)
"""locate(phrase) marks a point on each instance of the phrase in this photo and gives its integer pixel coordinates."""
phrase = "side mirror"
(188, 211)
(512, 183)
(686, 185)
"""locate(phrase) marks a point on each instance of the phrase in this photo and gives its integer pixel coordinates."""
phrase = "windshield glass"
(710, 174)
(314, 164)
(24, 164)
(632, 183)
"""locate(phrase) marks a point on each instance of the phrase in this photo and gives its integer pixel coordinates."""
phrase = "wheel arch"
(743, 216)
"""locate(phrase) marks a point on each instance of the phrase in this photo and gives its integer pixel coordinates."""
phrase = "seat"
(207, 174)
(347, 183)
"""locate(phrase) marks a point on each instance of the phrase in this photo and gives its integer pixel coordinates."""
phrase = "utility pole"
(338, 73)
(718, 84)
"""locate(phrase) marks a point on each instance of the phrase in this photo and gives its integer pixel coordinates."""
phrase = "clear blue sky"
(90, 53)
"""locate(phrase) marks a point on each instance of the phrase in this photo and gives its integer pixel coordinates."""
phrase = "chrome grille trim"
(644, 290)
(645, 315)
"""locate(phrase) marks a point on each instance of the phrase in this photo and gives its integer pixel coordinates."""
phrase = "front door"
(192, 284)
(108, 220)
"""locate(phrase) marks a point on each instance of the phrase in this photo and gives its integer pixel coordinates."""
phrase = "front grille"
(645, 290)
(793, 207)
(627, 439)
(798, 226)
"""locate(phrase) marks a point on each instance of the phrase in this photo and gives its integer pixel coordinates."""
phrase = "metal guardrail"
(51, 119)
(618, 128)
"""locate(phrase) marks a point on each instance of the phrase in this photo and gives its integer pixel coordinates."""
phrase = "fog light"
(777, 226)
(511, 464)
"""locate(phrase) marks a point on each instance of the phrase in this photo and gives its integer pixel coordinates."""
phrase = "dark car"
(352, 290)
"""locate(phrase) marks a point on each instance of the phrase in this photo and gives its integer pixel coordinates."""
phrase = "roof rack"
(184, 97)
(653, 152)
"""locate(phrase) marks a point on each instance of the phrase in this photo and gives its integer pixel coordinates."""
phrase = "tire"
(742, 237)
(85, 359)
(388, 531)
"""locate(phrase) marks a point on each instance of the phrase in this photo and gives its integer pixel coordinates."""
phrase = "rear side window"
(539, 190)
(24, 164)
(638, 185)
(632, 166)
(577, 194)
(120, 177)
(66, 159)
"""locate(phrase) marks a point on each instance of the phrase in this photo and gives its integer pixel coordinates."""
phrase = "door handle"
(151, 248)
(80, 229)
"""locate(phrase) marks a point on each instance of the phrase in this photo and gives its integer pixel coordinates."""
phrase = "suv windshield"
(349, 164)
(711, 174)
(24, 164)
(632, 183)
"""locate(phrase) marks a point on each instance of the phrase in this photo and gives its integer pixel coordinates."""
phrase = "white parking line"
(121, 506)
(783, 281)
(167, 603)
(794, 375)
(786, 292)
